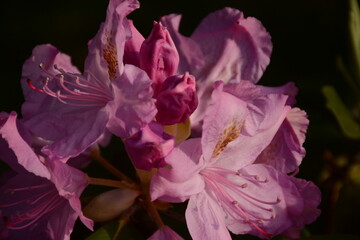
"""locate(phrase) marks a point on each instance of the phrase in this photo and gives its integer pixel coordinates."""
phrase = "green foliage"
(346, 120)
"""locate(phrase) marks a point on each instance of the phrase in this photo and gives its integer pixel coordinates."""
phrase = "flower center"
(74, 90)
(230, 189)
(31, 207)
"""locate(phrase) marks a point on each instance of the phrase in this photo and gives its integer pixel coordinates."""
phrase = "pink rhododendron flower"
(225, 46)
(285, 152)
(218, 174)
(165, 233)
(148, 148)
(41, 199)
(75, 110)
(176, 100)
(158, 56)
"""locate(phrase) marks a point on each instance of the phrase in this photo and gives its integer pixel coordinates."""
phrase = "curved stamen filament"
(74, 91)
(228, 192)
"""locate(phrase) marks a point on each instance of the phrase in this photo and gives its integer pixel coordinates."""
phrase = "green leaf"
(117, 230)
(346, 120)
(105, 233)
(354, 32)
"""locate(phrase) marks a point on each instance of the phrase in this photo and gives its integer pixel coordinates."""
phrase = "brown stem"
(107, 165)
(111, 183)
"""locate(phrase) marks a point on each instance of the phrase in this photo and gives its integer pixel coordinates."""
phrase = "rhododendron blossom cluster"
(194, 123)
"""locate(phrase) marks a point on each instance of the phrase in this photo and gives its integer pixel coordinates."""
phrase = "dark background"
(307, 37)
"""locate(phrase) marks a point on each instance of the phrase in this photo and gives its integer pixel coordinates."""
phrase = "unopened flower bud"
(110, 204)
(148, 148)
(177, 99)
(158, 55)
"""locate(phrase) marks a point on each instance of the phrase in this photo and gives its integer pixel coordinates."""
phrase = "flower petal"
(165, 233)
(133, 107)
(15, 151)
(48, 56)
(165, 190)
(226, 34)
(106, 49)
(205, 219)
(70, 132)
(236, 132)
(185, 161)
(285, 152)
(191, 56)
(268, 189)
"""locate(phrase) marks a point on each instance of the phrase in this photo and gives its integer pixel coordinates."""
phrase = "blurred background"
(312, 47)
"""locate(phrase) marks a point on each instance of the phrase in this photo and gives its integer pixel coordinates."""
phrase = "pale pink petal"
(165, 190)
(25, 155)
(165, 233)
(106, 49)
(70, 183)
(185, 161)
(191, 56)
(223, 122)
(244, 137)
(148, 148)
(69, 132)
(133, 107)
(248, 91)
(132, 46)
(205, 219)
(285, 152)
(312, 198)
(48, 56)
(250, 45)
(267, 188)
(236, 132)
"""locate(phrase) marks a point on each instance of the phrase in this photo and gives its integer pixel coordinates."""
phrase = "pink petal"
(271, 189)
(148, 148)
(165, 233)
(48, 56)
(250, 44)
(132, 46)
(71, 132)
(312, 198)
(285, 152)
(191, 56)
(225, 116)
(106, 49)
(185, 161)
(254, 131)
(133, 107)
(165, 190)
(70, 183)
(205, 219)
(25, 155)
(176, 100)
(247, 91)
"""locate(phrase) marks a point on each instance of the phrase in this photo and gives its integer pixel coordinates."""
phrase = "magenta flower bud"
(158, 56)
(148, 148)
(176, 100)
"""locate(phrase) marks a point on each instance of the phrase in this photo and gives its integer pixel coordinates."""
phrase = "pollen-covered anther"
(231, 132)
(110, 56)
